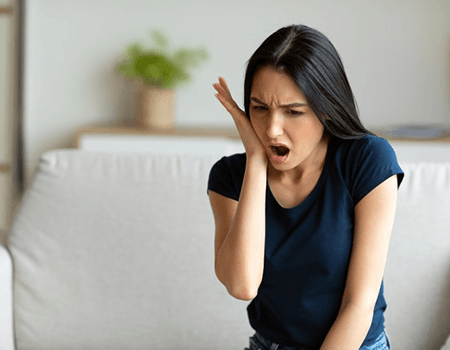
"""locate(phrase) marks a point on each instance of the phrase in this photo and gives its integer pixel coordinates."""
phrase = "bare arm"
(240, 226)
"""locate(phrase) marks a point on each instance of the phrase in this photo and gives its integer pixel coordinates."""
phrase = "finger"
(226, 98)
(224, 84)
(225, 95)
(231, 108)
(228, 106)
(221, 90)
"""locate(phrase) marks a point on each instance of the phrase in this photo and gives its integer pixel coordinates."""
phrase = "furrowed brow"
(296, 104)
(289, 105)
(254, 99)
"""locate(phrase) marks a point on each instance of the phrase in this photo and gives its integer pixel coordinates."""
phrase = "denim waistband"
(274, 346)
(382, 342)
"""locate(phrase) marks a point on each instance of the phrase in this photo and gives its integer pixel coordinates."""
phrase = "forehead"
(274, 86)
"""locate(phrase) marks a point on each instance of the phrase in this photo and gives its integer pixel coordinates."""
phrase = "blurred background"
(64, 53)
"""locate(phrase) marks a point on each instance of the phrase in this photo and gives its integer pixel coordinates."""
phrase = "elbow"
(246, 294)
(363, 307)
(242, 290)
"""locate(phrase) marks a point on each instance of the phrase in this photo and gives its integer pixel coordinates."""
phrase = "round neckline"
(315, 190)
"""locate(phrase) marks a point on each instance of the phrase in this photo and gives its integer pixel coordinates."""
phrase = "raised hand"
(253, 146)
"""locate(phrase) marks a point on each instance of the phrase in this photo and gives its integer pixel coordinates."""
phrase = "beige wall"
(396, 53)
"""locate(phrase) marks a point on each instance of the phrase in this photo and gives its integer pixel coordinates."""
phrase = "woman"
(304, 217)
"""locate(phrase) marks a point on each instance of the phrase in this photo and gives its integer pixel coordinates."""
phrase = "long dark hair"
(314, 65)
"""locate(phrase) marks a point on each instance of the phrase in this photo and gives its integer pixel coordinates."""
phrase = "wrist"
(258, 161)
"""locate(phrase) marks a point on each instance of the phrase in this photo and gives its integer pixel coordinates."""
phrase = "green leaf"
(157, 65)
(160, 40)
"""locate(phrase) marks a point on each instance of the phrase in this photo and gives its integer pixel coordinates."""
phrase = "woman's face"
(284, 122)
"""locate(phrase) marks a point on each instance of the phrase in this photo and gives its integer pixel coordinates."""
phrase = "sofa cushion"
(115, 251)
(446, 345)
(417, 274)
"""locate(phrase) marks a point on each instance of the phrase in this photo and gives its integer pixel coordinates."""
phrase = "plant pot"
(155, 107)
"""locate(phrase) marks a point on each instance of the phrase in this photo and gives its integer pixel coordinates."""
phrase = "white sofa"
(114, 250)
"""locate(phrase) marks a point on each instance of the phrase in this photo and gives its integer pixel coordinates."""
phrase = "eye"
(295, 113)
(259, 108)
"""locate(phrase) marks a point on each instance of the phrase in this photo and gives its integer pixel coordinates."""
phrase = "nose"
(275, 125)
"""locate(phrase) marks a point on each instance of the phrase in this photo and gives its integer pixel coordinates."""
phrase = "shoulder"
(373, 143)
(233, 161)
(232, 165)
(227, 174)
(364, 163)
(366, 145)
(369, 150)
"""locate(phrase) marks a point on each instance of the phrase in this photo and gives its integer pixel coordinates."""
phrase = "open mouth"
(280, 151)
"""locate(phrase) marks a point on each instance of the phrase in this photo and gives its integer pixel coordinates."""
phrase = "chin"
(281, 166)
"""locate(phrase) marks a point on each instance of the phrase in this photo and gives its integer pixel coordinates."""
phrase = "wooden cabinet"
(176, 140)
(8, 110)
(128, 129)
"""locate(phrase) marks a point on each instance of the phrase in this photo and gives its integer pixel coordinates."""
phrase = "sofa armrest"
(6, 306)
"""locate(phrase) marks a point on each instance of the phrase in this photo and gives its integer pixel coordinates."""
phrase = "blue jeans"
(257, 342)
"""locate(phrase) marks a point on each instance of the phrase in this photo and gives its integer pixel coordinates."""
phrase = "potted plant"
(158, 70)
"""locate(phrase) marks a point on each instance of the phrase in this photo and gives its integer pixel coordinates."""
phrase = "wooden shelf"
(133, 129)
(136, 130)
(446, 138)
(6, 10)
(5, 168)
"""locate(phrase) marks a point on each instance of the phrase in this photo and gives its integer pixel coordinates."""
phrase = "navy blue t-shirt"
(307, 248)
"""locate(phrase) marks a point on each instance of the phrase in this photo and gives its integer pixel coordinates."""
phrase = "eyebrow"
(289, 105)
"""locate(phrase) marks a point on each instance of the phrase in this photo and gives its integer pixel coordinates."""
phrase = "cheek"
(257, 126)
(306, 131)
(309, 125)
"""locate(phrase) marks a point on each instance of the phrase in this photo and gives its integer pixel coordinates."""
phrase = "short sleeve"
(375, 163)
(226, 176)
